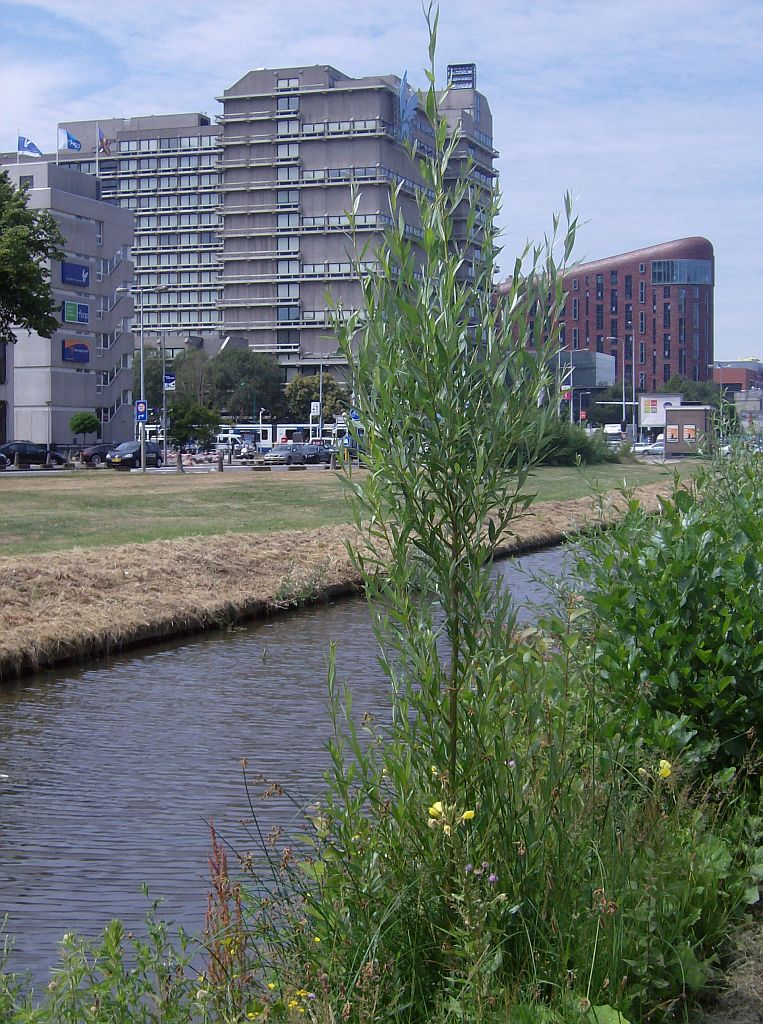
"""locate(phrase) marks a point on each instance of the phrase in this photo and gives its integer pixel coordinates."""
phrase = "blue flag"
(26, 145)
(67, 141)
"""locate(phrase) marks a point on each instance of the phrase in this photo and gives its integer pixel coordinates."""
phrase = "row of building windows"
(145, 222)
(144, 260)
(157, 145)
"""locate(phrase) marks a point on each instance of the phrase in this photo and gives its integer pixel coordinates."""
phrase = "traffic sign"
(354, 414)
(141, 411)
(315, 409)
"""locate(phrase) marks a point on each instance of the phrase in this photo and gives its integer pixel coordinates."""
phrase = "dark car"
(317, 453)
(286, 455)
(30, 454)
(127, 455)
(95, 454)
(3, 462)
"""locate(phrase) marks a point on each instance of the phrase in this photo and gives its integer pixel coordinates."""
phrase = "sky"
(649, 113)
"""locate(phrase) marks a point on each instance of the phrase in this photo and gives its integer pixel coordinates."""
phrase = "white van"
(224, 442)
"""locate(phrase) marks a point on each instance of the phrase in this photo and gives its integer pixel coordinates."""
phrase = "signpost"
(141, 418)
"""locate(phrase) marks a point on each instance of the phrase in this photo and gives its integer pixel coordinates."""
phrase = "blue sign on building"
(75, 351)
(75, 273)
(75, 312)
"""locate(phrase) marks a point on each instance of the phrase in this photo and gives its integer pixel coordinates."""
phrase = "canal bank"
(74, 605)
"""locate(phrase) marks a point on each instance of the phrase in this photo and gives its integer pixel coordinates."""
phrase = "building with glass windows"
(87, 364)
(300, 146)
(653, 305)
(164, 169)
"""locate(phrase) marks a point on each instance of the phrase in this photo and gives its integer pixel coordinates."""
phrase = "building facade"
(300, 148)
(163, 168)
(87, 364)
(651, 309)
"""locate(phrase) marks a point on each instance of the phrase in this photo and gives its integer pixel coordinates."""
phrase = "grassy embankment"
(57, 512)
(99, 561)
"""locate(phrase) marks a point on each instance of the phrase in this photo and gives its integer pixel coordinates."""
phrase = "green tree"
(189, 420)
(301, 391)
(700, 392)
(192, 375)
(84, 423)
(152, 375)
(242, 382)
(28, 240)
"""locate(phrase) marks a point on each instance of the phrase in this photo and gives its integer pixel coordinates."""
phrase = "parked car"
(95, 454)
(658, 449)
(30, 454)
(286, 455)
(316, 453)
(127, 455)
(3, 462)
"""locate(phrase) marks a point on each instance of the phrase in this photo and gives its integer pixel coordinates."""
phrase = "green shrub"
(566, 443)
(676, 603)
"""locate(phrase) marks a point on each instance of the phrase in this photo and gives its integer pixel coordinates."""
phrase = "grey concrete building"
(87, 364)
(295, 144)
(164, 169)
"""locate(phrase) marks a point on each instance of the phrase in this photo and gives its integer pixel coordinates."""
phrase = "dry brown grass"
(71, 605)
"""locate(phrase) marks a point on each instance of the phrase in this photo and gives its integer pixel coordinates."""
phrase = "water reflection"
(114, 770)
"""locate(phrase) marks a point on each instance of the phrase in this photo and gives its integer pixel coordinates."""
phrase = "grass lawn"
(58, 511)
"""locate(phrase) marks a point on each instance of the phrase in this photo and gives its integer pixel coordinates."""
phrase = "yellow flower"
(435, 811)
(467, 816)
(271, 985)
(302, 992)
(252, 1016)
(316, 938)
(292, 1003)
(300, 1009)
(665, 769)
(446, 829)
(433, 769)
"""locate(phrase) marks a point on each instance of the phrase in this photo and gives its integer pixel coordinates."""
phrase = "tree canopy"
(242, 382)
(189, 420)
(28, 240)
(84, 423)
(301, 391)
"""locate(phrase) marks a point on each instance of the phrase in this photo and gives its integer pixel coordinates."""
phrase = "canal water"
(110, 773)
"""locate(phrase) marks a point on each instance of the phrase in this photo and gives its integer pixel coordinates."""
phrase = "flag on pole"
(67, 141)
(26, 145)
(103, 143)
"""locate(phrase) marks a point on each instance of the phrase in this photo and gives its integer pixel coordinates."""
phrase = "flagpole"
(97, 151)
(58, 144)
(18, 136)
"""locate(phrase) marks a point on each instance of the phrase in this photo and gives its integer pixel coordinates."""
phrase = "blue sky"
(647, 112)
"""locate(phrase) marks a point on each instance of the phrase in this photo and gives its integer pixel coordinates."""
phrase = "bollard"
(17, 460)
(230, 456)
(179, 462)
(220, 464)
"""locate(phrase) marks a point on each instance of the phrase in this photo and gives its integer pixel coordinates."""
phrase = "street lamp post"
(164, 399)
(138, 305)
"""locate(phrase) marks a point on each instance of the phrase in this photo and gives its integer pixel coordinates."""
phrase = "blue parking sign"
(141, 411)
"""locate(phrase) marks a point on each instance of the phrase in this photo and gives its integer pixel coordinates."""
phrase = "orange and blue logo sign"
(75, 351)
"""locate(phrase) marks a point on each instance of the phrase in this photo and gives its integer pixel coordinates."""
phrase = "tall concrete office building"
(295, 144)
(87, 364)
(164, 169)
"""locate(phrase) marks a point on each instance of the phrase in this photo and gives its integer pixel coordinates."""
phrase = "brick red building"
(656, 303)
